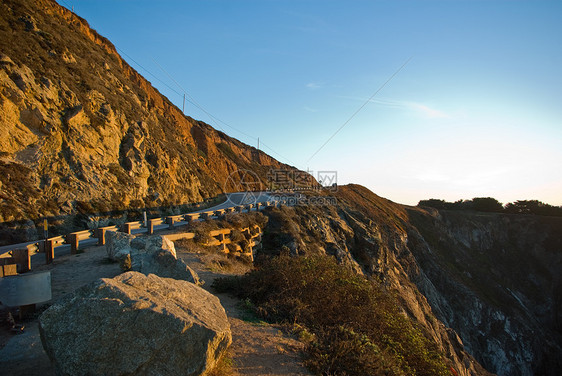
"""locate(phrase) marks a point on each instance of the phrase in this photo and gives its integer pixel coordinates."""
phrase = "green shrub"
(359, 327)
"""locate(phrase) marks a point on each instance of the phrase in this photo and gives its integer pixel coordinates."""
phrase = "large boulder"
(135, 325)
(153, 254)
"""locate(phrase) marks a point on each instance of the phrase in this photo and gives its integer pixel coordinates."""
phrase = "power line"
(360, 108)
(212, 117)
(147, 71)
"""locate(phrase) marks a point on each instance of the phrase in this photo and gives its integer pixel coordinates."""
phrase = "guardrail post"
(221, 240)
(49, 251)
(170, 221)
(73, 240)
(150, 228)
(23, 259)
(126, 228)
(100, 233)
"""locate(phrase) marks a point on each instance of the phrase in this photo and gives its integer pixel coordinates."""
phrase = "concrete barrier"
(25, 289)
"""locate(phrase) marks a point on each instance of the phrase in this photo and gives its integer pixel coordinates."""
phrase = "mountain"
(83, 132)
(81, 129)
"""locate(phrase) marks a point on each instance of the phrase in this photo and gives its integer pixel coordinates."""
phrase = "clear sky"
(475, 112)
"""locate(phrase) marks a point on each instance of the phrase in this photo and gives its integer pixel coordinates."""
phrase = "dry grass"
(225, 367)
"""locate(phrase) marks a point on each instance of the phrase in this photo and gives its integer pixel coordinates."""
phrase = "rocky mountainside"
(486, 287)
(81, 129)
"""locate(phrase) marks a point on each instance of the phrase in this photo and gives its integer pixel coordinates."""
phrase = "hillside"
(82, 130)
(485, 287)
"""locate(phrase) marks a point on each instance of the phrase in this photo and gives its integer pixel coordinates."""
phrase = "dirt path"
(257, 348)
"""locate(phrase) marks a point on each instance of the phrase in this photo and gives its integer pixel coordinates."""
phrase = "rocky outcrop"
(367, 234)
(495, 279)
(135, 325)
(118, 247)
(153, 254)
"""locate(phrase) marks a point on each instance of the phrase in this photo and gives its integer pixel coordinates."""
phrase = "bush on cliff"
(353, 326)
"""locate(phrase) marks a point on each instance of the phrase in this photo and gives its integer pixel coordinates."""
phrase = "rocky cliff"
(485, 287)
(496, 279)
(81, 129)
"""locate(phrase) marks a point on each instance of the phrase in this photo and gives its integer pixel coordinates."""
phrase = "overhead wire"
(212, 117)
(360, 108)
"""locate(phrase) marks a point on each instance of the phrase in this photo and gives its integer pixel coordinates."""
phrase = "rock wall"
(496, 281)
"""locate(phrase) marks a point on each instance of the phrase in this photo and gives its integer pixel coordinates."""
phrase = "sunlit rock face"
(83, 132)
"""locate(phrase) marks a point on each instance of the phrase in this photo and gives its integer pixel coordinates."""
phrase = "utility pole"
(183, 107)
(258, 143)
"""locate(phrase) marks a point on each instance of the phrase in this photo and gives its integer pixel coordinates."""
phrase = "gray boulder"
(135, 325)
(118, 245)
(157, 255)
(149, 255)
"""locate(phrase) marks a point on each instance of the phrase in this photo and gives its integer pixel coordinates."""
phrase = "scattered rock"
(135, 324)
(118, 245)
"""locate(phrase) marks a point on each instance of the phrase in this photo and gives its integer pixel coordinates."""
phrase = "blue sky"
(476, 111)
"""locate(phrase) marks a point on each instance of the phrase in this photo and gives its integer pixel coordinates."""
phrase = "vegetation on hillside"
(489, 204)
(351, 325)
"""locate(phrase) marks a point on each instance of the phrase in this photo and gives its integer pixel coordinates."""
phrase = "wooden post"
(127, 228)
(73, 239)
(170, 221)
(22, 259)
(223, 244)
(100, 232)
(49, 251)
(150, 227)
